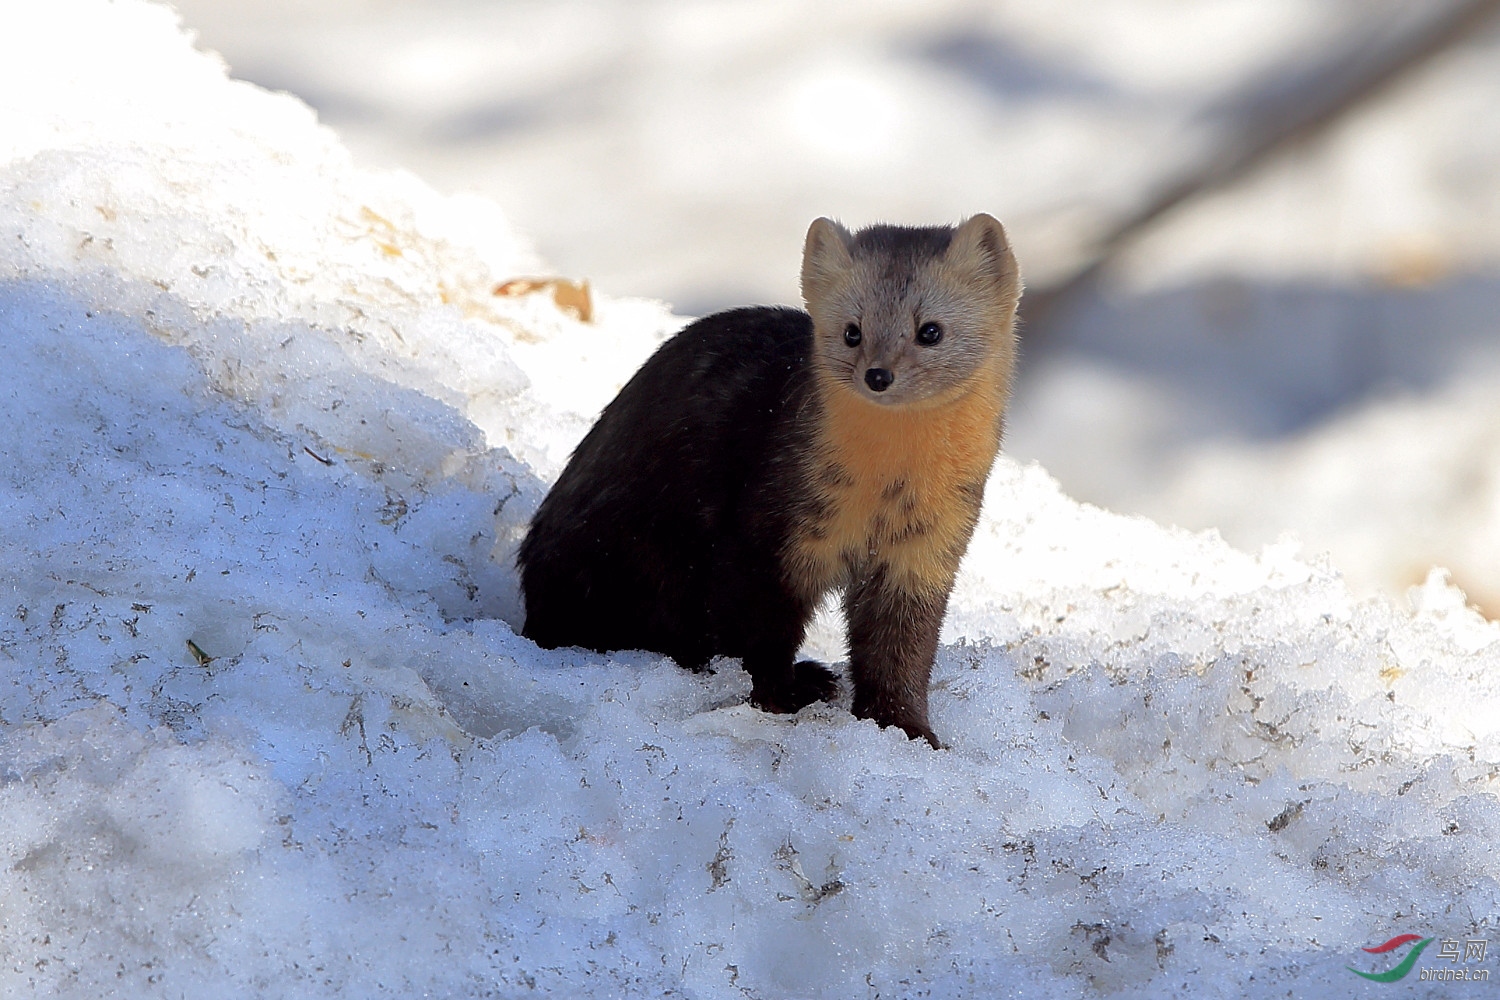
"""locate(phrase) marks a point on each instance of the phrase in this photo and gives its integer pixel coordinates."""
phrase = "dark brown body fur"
(665, 530)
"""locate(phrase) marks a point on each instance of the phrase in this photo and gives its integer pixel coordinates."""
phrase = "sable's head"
(909, 316)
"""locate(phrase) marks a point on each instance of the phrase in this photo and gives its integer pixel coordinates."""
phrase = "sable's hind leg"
(809, 681)
(782, 686)
(601, 601)
(892, 640)
(757, 619)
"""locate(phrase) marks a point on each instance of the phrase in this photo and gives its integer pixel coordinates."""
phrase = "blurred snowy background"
(1311, 348)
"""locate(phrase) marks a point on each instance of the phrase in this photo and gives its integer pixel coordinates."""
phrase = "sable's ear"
(825, 255)
(981, 248)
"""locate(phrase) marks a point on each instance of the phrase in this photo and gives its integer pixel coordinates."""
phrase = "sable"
(765, 456)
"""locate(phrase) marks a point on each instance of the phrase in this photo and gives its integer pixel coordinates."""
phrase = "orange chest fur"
(898, 488)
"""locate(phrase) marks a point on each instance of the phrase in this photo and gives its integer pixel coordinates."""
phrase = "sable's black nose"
(879, 379)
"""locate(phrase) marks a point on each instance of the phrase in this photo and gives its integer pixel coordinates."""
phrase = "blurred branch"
(1269, 118)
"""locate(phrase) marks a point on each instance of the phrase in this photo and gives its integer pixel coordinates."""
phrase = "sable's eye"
(852, 336)
(929, 334)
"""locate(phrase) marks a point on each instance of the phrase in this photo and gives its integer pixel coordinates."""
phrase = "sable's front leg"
(893, 637)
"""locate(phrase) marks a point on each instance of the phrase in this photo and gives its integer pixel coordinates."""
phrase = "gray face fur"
(891, 281)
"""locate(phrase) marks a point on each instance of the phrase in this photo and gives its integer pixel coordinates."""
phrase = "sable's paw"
(924, 733)
(814, 682)
(810, 682)
(915, 729)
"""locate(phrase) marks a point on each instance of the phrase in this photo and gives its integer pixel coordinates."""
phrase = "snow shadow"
(1255, 361)
(252, 447)
(1005, 70)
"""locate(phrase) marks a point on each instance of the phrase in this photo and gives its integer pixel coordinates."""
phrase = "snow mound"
(265, 730)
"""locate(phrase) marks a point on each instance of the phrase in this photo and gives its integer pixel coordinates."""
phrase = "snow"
(266, 728)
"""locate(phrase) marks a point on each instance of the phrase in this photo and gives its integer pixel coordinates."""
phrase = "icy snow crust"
(267, 730)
